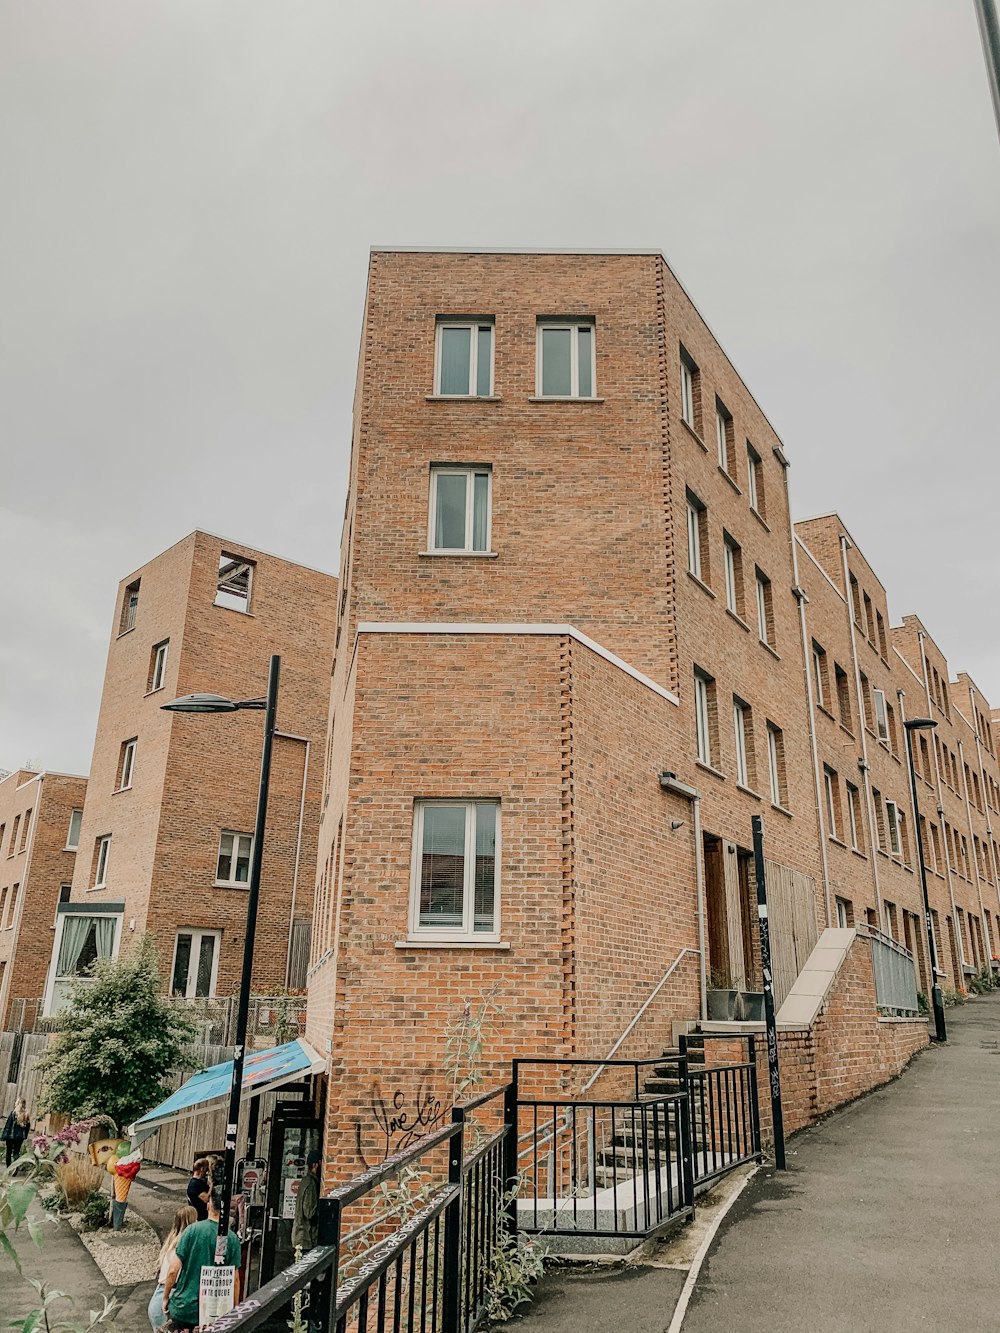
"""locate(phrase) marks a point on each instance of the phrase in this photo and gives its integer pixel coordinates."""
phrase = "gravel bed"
(124, 1257)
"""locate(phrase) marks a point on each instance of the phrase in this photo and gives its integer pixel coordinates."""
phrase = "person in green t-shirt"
(195, 1250)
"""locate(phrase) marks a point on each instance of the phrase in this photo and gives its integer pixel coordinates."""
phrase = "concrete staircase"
(621, 1159)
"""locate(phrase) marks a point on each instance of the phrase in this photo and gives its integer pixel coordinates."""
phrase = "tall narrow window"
(856, 600)
(755, 481)
(101, 852)
(892, 826)
(464, 358)
(725, 443)
(765, 609)
(233, 866)
(157, 667)
(25, 828)
(733, 565)
(73, 836)
(704, 687)
(830, 788)
(881, 716)
(776, 764)
(843, 695)
(883, 646)
(130, 605)
(460, 509)
(740, 711)
(234, 582)
(696, 524)
(819, 674)
(689, 390)
(12, 849)
(126, 764)
(455, 869)
(854, 815)
(566, 366)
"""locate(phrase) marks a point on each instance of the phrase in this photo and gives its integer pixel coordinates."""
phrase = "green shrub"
(95, 1211)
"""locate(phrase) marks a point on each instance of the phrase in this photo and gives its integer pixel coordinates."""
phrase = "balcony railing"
(895, 977)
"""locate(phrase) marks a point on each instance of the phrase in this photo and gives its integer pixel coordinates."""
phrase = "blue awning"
(263, 1071)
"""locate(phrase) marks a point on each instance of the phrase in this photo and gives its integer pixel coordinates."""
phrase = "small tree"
(118, 1042)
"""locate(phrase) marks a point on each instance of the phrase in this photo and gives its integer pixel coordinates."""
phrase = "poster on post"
(217, 1291)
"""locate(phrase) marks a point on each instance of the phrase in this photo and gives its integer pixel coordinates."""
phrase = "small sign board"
(217, 1291)
(250, 1178)
(288, 1197)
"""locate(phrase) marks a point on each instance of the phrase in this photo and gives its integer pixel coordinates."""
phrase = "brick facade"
(196, 776)
(36, 864)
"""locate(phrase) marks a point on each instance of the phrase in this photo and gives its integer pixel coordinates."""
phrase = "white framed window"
(689, 376)
(233, 865)
(567, 365)
(764, 609)
(881, 715)
(843, 920)
(455, 870)
(196, 963)
(732, 566)
(776, 764)
(126, 765)
(234, 583)
(694, 539)
(461, 509)
(755, 480)
(829, 779)
(463, 358)
(740, 711)
(892, 827)
(724, 436)
(702, 704)
(130, 606)
(158, 666)
(73, 835)
(82, 938)
(854, 815)
(103, 850)
(819, 673)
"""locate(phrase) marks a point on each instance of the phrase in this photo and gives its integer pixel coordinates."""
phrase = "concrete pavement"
(889, 1217)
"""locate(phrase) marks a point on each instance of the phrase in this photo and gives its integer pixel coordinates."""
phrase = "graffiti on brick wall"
(400, 1119)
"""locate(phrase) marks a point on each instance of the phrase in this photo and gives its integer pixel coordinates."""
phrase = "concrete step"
(662, 1084)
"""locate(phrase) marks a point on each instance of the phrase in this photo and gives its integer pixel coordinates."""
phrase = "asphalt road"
(889, 1217)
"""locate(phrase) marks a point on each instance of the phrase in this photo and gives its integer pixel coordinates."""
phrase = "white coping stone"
(813, 984)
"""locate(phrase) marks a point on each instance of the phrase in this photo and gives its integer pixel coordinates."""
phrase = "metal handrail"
(639, 1013)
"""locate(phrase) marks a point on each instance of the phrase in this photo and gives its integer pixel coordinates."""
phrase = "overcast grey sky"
(189, 191)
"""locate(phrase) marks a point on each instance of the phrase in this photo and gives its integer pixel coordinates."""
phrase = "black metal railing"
(429, 1272)
(616, 1164)
(725, 1118)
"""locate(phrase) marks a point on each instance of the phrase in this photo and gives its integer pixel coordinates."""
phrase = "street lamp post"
(937, 1000)
(214, 703)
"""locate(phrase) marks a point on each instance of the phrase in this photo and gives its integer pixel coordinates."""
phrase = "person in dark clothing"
(305, 1225)
(16, 1129)
(198, 1188)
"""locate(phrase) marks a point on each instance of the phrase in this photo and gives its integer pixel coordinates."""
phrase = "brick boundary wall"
(846, 1051)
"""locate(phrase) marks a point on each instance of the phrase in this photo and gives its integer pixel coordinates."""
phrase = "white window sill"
(775, 654)
(749, 791)
(701, 583)
(694, 434)
(732, 481)
(158, 690)
(716, 773)
(230, 884)
(475, 555)
(781, 809)
(235, 611)
(463, 943)
(760, 519)
(72, 849)
(563, 398)
(118, 790)
(738, 618)
(463, 398)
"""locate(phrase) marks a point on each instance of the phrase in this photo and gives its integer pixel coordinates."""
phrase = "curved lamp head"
(209, 703)
(919, 723)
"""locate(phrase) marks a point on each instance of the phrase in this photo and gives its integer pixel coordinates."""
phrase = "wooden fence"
(791, 910)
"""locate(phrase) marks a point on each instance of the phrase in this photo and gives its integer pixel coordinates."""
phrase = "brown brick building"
(567, 569)
(39, 830)
(167, 822)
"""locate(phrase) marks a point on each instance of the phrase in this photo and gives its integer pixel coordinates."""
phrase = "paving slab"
(603, 1300)
(889, 1216)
